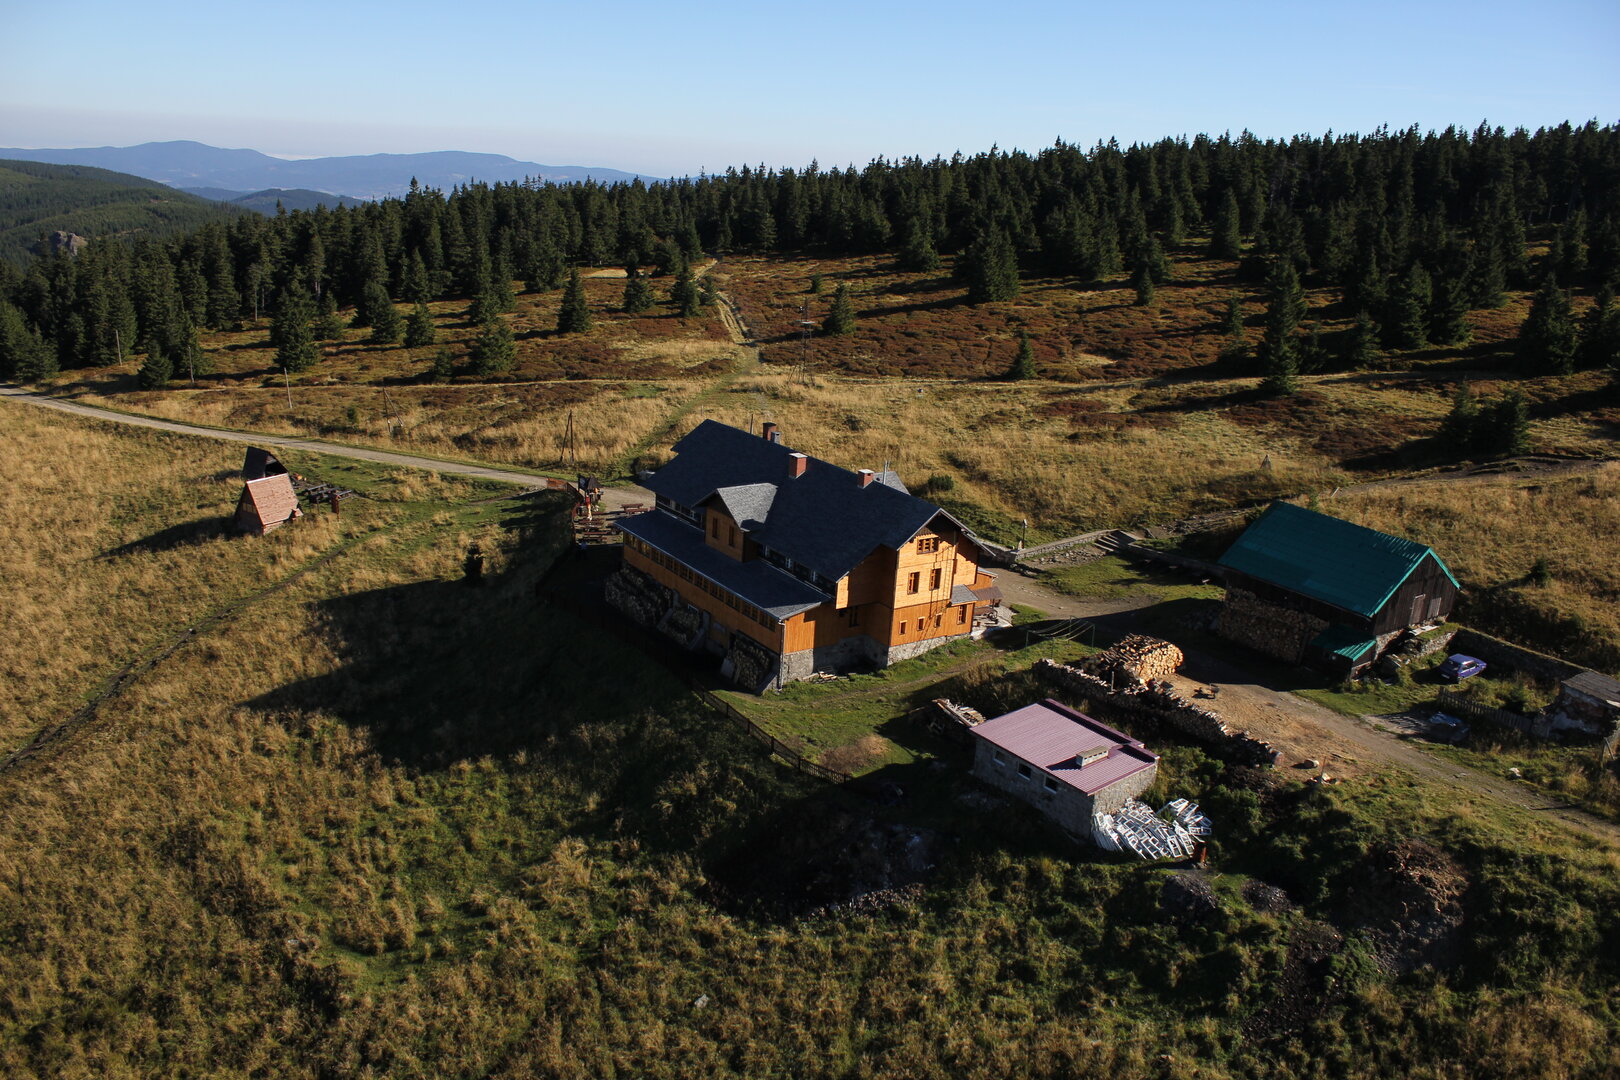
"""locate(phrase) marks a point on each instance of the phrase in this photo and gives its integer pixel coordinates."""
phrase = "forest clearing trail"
(613, 497)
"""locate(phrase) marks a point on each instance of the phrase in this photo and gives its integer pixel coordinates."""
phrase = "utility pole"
(570, 450)
(288, 380)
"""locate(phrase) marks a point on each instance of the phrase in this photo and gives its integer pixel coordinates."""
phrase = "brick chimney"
(770, 433)
(797, 463)
(867, 476)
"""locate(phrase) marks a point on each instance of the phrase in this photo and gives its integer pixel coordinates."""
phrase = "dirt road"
(612, 498)
(1303, 730)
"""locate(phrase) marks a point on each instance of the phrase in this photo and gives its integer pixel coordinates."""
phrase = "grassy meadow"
(383, 824)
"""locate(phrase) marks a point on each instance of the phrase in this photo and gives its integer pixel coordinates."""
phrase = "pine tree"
(638, 294)
(1232, 324)
(1279, 345)
(684, 293)
(154, 374)
(21, 350)
(187, 356)
(1363, 352)
(990, 268)
(1023, 365)
(416, 288)
(419, 328)
(1547, 338)
(574, 317)
(1234, 354)
(841, 316)
(494, 350)
(444, 365)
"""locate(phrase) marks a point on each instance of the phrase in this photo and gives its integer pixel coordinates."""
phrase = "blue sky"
(672, 88)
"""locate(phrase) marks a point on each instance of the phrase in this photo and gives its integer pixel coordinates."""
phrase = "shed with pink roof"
(1062, 762)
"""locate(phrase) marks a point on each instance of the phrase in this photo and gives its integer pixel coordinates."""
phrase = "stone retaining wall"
(1505, 654)
(1159, 702)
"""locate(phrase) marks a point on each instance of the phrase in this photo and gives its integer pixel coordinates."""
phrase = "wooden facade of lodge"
(1312, 589)
(786, 565)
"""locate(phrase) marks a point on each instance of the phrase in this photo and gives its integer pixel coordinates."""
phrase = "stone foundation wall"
(1159, 702)
(915, 648)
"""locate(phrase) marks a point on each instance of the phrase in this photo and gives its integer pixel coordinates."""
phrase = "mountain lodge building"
(786, 565)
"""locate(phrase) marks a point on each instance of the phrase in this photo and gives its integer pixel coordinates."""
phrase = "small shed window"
(1023, 771)
(1051, 784)
(996, 756)
(961, 614)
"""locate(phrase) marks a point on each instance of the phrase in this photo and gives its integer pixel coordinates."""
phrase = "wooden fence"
(1462, 705)
(678, 663)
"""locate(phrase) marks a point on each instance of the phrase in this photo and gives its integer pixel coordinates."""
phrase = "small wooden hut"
(267, 503)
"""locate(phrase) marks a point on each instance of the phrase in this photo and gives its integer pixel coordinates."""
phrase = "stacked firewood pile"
(1268, 628)
(1137, 659)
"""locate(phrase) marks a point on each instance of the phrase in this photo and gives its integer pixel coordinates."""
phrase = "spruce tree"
(1142, 282)
(684, 293)
(918, 253)
(187, 357)
(328, 324)
(416, 288)
(493, 350)
(386, 325)
(1363, 352)
(1279, 345)
(841, 316)
(1023, 365)
(1227, 238)
(1460, 430)
(990, 268)
(1547, 338)
(419, 328)
(290, 333)
(638, 294)
(1448, 317)
(155, 372)
(1507, 425)
(574, 317)
(1234, 354)
(1406, 319)
(444, 365)
(1600, 332)
(1232, 323)
(21, 350)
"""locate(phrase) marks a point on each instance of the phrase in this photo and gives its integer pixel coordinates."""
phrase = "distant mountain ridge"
(39, 199)
(266, 201)
(186, 164)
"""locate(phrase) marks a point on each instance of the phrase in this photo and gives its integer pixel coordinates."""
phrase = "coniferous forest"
(1413, 229)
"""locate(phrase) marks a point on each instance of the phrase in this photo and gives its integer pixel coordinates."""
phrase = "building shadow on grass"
(186, 534)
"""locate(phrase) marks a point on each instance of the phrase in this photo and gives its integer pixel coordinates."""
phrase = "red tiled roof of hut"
(267, 503)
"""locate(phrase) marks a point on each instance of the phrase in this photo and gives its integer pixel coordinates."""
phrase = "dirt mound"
(1267, 899)
(827, 860)
(1303, 989)
(1408, 902)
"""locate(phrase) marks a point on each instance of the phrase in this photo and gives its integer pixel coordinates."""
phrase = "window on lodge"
(854, 616)
(714, 528)
(902, 628)
(938, 620)
(732, 540)
(961, 614)
(914, 582)
(928, 545)
(919, 626)
(933, 579)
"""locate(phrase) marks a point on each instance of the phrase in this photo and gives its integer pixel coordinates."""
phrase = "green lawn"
(1114, 578)
(860, 723)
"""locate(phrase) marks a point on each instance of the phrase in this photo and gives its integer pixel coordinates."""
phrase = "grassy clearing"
(391, 824)
(1115, 578)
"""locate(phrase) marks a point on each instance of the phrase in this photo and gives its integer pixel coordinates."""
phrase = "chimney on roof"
(770, 432)
(867, 476)
(797, 463)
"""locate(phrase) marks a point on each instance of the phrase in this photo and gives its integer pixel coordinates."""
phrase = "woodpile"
(1268, 628)
(1137, 659)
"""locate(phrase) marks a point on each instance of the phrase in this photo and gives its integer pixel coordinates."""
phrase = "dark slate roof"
(260, 463)
(1592, 684)
(824, 519)
(1328, 559)
(756, 581)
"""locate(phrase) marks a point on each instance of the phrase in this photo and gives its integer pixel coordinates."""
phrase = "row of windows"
(798, 570)
(725, 596)
(1023, 770)
(939, 621)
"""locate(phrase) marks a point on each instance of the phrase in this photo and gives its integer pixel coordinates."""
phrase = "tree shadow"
(187, 534)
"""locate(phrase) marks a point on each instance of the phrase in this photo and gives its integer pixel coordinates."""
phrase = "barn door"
(1417, 609)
